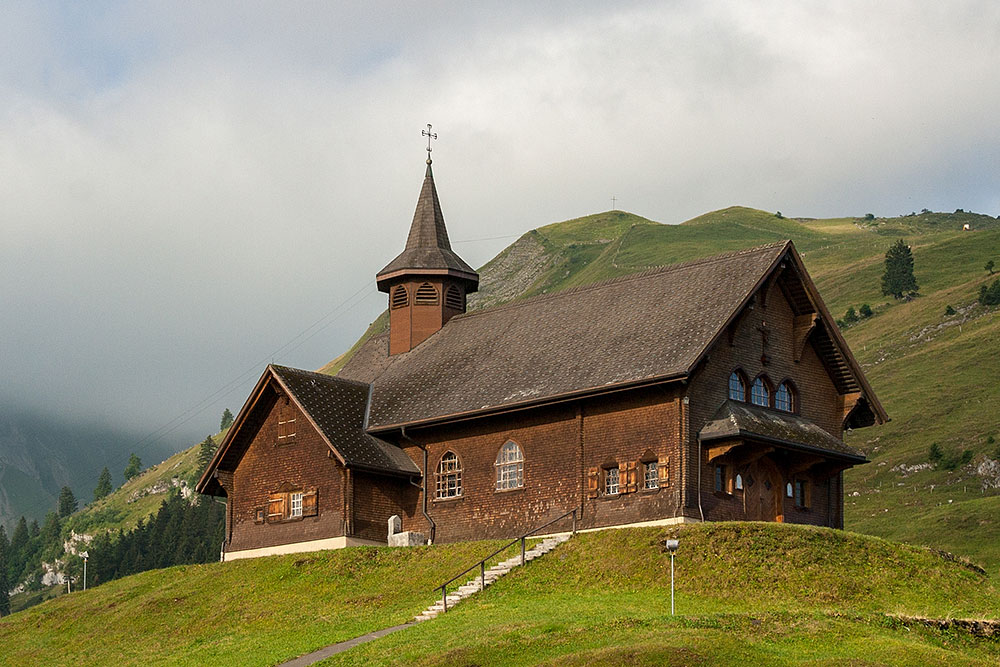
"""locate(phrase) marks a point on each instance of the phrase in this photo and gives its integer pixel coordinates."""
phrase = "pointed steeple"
(428, 250)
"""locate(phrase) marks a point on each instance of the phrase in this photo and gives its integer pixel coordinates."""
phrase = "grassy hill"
(140, 496)
(745, 592)
(936, 374)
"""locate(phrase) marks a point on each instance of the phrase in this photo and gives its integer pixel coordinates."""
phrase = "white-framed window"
(650, 475)
(760, 394)
(295, 504)
(737, 387)
(783, 398)
(612, 480)
(510, 467)
(449, 476)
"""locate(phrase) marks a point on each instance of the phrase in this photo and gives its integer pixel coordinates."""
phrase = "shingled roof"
(336, 406)
(742, 420)
(427, 246)
(644, 327)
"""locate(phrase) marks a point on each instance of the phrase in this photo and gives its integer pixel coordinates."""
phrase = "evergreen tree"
(4, 586)
(205, 453)
(103, 484)
(67, 502)
(227, 420)
(989, 267)
(898, 279)
(18, 551)
(33, 529)
(134, 466)
(990, 296)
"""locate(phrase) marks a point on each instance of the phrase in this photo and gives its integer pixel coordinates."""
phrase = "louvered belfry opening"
(453, 298)
(400, 297)
(427, 295)
(427, 283)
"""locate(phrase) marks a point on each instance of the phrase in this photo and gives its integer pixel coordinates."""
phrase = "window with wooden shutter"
(276, 507)
(663, 470)
(310, 506)
(592, 482)
(286, 422)
(630, 475)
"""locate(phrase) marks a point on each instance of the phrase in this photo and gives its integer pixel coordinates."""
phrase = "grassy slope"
(604, 598)
(771, 592)
(116, 511)
(940, 387)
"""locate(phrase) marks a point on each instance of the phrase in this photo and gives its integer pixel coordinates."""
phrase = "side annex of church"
(717, 389)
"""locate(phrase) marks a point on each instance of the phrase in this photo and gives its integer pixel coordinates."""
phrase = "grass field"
(764, 593)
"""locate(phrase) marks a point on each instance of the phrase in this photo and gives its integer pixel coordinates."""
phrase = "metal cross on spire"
(430, 135)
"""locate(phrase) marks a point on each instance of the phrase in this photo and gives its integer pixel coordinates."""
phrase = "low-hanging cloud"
(188, 187)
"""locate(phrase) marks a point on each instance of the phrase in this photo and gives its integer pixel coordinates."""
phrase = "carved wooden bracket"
(721, 450)
(802, 327)
(847, 403)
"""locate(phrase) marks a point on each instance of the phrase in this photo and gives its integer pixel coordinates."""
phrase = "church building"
(717, 389)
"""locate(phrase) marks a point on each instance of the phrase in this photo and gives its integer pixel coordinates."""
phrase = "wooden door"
(762, 491)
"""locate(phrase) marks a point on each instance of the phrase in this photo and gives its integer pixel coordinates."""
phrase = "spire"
(428, 250)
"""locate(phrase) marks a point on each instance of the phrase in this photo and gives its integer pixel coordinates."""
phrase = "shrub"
(989, 267)
(869, 216)
(948, 311)
(778, 215)
(934, 454)
(866, 310)
(850, 316)
(990, 296)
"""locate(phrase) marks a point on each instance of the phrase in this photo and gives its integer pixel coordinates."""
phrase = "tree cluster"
(852, 316)
(948, 461)
(30, 545)
(990, 296)
(180, 533)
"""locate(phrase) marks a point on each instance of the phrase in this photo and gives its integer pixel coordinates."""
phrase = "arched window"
(737, 387)
(426, 295)
(760, 394)
(449, 476)
(400, 298)
(510, 467)
(453, 298)
(739, 483)
(784, 397)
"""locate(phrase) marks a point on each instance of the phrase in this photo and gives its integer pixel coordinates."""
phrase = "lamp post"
(672, 548)
(85, 555)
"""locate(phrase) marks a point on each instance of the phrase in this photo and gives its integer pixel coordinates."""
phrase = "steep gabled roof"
(334, 406)
(742, 420)
(428, 249)
(643, 328)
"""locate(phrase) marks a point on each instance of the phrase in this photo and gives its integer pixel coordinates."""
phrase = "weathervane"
(430, 135)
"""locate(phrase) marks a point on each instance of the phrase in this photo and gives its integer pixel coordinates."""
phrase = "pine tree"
(205, 453)
(18, 551)
(134, 467)
(67, 502)
(898, 279)
(4, 586)
(103, 484)
(227, 420)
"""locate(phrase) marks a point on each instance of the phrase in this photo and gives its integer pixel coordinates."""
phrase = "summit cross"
(430, 135)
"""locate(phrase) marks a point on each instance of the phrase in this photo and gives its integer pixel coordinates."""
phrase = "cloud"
(187, 187)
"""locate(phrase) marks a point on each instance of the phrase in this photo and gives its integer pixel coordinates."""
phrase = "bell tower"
(427, 283)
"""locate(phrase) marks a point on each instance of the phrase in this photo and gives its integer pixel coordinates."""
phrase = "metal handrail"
(482, 564)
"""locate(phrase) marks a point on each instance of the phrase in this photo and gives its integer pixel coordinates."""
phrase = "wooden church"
(717, 389)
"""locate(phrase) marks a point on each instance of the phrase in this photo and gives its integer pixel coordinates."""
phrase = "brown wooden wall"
(817, 401)
(266, 466)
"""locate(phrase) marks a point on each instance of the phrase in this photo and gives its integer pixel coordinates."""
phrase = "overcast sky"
(186, 189)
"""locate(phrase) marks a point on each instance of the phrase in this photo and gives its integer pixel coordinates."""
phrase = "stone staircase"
(475, 584)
